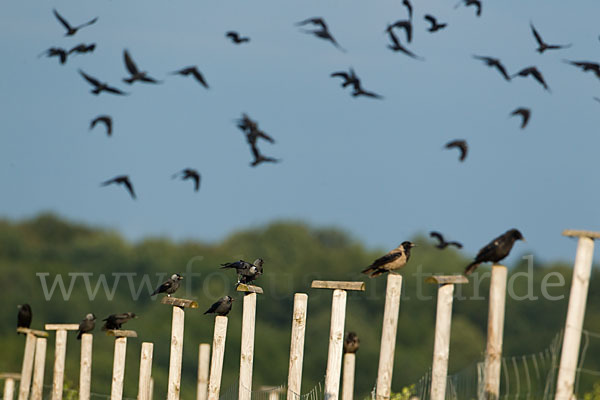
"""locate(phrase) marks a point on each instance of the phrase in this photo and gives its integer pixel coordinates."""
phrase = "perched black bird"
(221, 306)
(350, 78)
(351, 343)
(395, 259)
(169, 287)
(193, 70)
(402, 24)
(87, 325)
(533, 71)
(475, 3)
(525, 113)
(494, 62)
(106, 120)
(442, 242)
(396, 46)
(246, 272)
(496, 250)
(121, 180)
(408, 6)
(259, 157)
(70, 29)
(460, 145)
(83, 48)
(189, 173)
(542, 46)
(24, 316)
(586, 66)
(236, 38)
(114, 321)
(435, 26)
(322, 32)
(136, 74)
(100, 86)
(56, 52)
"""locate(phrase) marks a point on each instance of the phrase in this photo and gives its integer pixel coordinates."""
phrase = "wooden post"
(336, 332)
(388, 336)
(218, 353)
(60, 353)
(116, 388)
(203, 370)
(145, 371)
(9, 385)
(297, 346)
(85, 366)
(443, 321)
(37, 388)
(575, 312)
(348, 376)
(247, 347)
(176, 357)
(27, 368)
(151, 389)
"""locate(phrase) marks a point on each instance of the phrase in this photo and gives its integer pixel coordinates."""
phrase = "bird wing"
(431, 19)
(502, 70)
(196, 178)
(131, 67)
(212, 308)
(538, 77)
(90, 22)
(162, 288)
(457, 244)
(438, 236)
(62, 20)
(537, 36)
(113, 90)
(340, 74)
(386, 259)
(106, 183)
(199, 77)
(90, 79)
(129, 187)
(407, 4)
(461, 145)
(233, 35)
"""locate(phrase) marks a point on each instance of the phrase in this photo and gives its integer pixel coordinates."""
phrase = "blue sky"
(375, 168)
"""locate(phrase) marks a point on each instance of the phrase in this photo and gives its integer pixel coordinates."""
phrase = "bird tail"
(226, 265)
(79, 335)
(375, 272)
(471, 267)
(154, 293)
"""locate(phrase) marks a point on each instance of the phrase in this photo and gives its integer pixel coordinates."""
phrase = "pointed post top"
(342, 285)
(579, 233)
(174, 301)
(446, 279)
(119, 333)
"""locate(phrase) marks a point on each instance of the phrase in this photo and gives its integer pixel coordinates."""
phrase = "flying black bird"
(122, 180)
(525, 113)
(221, 307)
(435, 26)
(408, 6)
(395, 259)
(442, 242)
(56, 52)
(24, 316)
(106, 120)
(246, 272)
(250, 128)
(351, 343)
(350, 78)
(494, 62)
(460, 145)
(114, 321)
(236, 38)
(544, 46)
(82, 48)
(533, 71)
(189, 173)
(586, 66)
(99, 86)
(136, 74)
(396, 46)
(359, 91)
(403, 24)
(169, 287)
(322, 32)
(70, 29)
(193, 70)
(475, 3)
(496, 250)
(87, 325)
(259, 157)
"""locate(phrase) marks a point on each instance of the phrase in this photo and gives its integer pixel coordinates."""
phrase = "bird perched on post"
(169, 287)
(246, 272)
(351, 343)
(221, 306)
(114, 321)
(496, 250)
(87, 325)
(24, 316)
(395, 259)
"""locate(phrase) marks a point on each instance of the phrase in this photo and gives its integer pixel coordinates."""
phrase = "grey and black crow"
(169, 287)
(496, 250)
(246, 272)
(395, 259)
(114, 321)
(87, 325)
(221, 307)
(351, 343)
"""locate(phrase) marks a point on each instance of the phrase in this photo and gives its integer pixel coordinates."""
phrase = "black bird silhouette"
(106, 120)
(87, 325)
(475, 3)
(192, 70)
(435, 26)
(259, 157)
(189, 173)
(351, 343)
(322, 32)
(350, 78)
(442, 242)
(586, 66)
(121, 180)
(136, 74)
(525, 113)
(359, 91)
(460, 145)
(56, 52)
(396, 46)
(494, 62)
(70, 29)
(496, 250)
(395, 259)
(402, 24)
(221, 307)
(82, 48)
(250, 128)
(535, 73)
(408, 6)
(24, 316)
(100, 86)
(115, 321)
(236, 38)
(246, 272)
(542, 46)
(169, 287)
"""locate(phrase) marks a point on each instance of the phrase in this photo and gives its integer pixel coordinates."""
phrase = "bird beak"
(523, 239)
(232, 299)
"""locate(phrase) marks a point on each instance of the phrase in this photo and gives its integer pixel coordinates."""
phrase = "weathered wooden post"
(297, 346)
(60, 353)
(151, 389)
(116, 387)
(247, 347)
(336, 332)
(203, 370)
(145, 371)
(37, 387)
(443, 324)
(9, 384)
(85, 366)
(388, 336)
(176, 357)
(28, 355)
(218, 353)
(493, 351)
(575, 312)
(348, 376)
